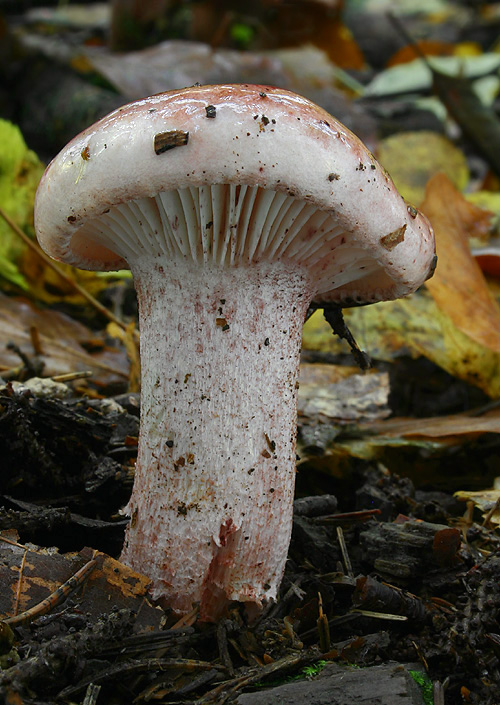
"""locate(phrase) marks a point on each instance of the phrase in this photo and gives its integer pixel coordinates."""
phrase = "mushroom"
(234, 207)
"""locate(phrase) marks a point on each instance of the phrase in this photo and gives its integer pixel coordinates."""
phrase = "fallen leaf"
(338, 42)
(458, 286)
(411, 326)
(488, 258)
(47, 286)
(60, 339)
(484, 500)
(412, 158)
(487, 201)
(29, 574)
(130, 341)
(456, 426)
(416, 76)
(429, 47)
(175, 63)
(115, 583)
(43, 571)
(432, 48)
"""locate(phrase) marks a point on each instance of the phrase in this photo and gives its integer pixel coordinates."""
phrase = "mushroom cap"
(336, 211)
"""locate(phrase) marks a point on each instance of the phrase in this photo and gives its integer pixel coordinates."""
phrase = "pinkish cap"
(233, 175)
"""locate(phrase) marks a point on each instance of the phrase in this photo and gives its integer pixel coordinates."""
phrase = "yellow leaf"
(458, 286)
(485, 500)
(412, 158)
(412, 326)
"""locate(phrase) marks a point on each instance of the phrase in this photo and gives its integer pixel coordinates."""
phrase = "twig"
(490, 512)
(226, 690)
(31, 367)
(71, 376)
(323, 627)
(56, 598)
(438, 693)
(370, 594)
(35, 340)
(14, 543)
(381, 615)
(124, 670)
(50, 263)
(400, 27)
(20, 582)
(187, 620)
(222, 629)
(345, 553)
(92, 694)
(333, 316)
(360, 515)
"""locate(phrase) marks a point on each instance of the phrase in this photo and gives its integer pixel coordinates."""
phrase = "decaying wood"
(57, 662)
(404, 550)
(389, 684)
(370, 594)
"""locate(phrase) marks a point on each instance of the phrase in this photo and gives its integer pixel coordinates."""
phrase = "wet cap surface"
(230, 176)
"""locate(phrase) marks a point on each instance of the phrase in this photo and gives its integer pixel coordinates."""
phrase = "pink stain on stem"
(213, 507)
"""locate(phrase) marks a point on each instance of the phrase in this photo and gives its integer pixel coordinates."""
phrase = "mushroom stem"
(211, 508)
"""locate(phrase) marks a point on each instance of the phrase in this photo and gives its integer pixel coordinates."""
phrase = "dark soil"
(374, 544)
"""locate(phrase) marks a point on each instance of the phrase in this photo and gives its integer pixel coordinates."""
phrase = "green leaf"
(20, 172)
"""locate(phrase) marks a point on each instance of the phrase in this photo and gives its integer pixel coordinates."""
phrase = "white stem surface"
(211, 508)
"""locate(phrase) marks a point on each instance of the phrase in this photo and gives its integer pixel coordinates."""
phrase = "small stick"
(360, 515)
(92, 694)
(333, 315)
(126, 669)
(490, 513)
(225, 657)
(35, 340)
(187, 620)
(381, 615)
(20, 581)
(345, 554)
(56, 598)
(70, 376)
(13, 543)
(227, 689)
(400, 27)
(323, 627)
(49, 262)
(420, 655)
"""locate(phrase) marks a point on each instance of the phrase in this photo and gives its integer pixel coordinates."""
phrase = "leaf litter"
(394, 548)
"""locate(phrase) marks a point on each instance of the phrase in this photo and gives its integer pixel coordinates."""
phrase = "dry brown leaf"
(433, 47)
(115, 583)
(29, 574)
(441, 427)
(60, 340)
(458, 286)
(43, 570)
(429, 47)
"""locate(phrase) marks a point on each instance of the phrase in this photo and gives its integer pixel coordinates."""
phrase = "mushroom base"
(211, 508)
